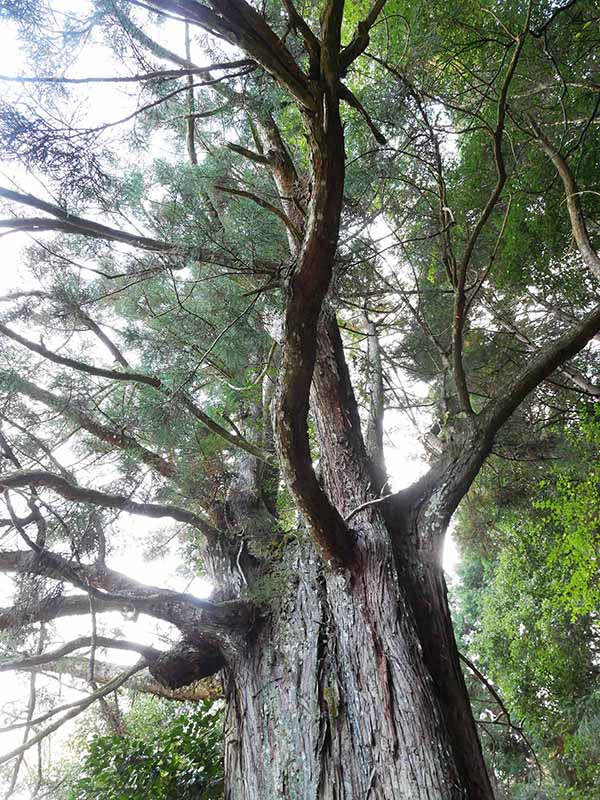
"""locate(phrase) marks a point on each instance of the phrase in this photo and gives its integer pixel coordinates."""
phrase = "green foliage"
(165, 753)
(527, 614)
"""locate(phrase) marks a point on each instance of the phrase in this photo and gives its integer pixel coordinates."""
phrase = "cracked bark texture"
(331, 699)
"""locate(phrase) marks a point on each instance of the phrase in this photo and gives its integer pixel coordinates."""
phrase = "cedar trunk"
(344, 693)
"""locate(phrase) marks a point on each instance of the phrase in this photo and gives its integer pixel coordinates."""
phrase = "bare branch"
(165, 74)
(29, 719)
(249, 154)
(460, 299)
(355, 103)
(77, 644)
(99, 333)
(190, 125)
(78, 709)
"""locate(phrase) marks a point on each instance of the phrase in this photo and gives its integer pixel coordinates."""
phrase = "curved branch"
(74, 712)
(201, 621)
(242, 26)
(538, 369)
(77, 644)
(13, 617)
(307, 289)
(439, 492)
(460, 299)
(81, 494)
(202, 689)
(360, 40)
(574, 207)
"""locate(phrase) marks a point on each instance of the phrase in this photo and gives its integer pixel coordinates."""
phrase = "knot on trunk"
(186, 664)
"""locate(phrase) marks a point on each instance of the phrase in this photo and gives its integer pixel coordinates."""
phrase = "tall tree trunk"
(332, 698)
(424, 584)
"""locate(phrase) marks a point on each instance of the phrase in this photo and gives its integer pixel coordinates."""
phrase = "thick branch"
(15, 617)
(307, 288)
(572, 193)
(439, 492)
(70, 410)
(80, 494)
(136, 377)
(374, 438)
(343, 461)
(104, 672)
(207, 624)
(360, 40)
(240, 25)
(70, 223)
(311, 42)
(538, 369)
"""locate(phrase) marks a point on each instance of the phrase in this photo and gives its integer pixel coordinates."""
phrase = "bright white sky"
(403, 452)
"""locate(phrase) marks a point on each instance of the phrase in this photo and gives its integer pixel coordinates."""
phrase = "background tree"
(526, 614)
(163, 751)
(416, 174)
